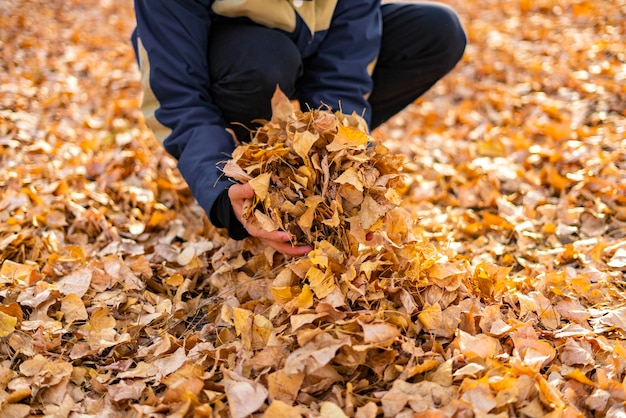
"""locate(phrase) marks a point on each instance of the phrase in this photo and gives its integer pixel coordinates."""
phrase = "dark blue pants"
(421, 42)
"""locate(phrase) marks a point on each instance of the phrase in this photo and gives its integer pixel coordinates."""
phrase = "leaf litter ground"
(484, 278)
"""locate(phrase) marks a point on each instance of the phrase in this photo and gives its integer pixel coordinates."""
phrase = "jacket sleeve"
(339, 73)
(171, 43)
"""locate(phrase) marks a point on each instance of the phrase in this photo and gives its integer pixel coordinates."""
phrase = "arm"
(339, 73)
(171, 41)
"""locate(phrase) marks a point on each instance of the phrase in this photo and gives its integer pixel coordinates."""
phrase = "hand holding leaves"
(240, 194)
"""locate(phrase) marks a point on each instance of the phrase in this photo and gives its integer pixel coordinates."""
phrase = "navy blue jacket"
(339, 38)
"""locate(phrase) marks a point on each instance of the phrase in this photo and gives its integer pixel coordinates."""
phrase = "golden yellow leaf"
(261, 184)
(17, 395)
(13, 309)
(491, 147)
(334, 220)
(302, 143)
(185, 384)
(481, 345)
(308, 217)
(280, 409)
(284, 387)
(331, 410)
(301, 180)
(322, 284)
(348, 137)
(427, 365)
(73, 308)
(371, 212)
(431, 317)
(442, 270)
(305, 298)
(7, 324)
(101, 332)
(351, 177)
(579, 376)
(281, 294)
(549, 393)
(319, 257)
(262, 329)
(242, 319)
(175, 279)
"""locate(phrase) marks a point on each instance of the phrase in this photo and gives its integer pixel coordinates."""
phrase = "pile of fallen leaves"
(483, 277)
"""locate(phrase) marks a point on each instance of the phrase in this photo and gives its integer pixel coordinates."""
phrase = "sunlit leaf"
(261, 185)
(7, 324)
(303, 141)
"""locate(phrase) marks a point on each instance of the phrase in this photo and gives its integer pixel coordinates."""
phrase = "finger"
(240, 191)
(279, 240)
(289, 249)
(275, 236)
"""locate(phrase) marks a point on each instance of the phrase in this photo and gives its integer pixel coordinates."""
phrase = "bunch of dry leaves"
(317, 175)
(468, 255)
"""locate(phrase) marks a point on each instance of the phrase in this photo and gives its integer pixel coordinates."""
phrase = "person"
(210, 67)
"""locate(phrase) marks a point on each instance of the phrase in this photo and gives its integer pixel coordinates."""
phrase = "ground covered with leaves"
(483, 277)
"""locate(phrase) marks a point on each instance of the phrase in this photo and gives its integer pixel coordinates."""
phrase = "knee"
(451, 34)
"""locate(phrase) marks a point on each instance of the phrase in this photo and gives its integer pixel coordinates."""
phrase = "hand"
(279, 240)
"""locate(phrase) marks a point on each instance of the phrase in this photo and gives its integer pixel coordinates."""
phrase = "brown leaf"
(73, 308)
(126, 390)
(302, 143)
(77, 282)
(379, 333)
(282, 108)
(232, 170)
(244, 396)
(481, 345)
(283, 386)
(315, 354)
(280, 409)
